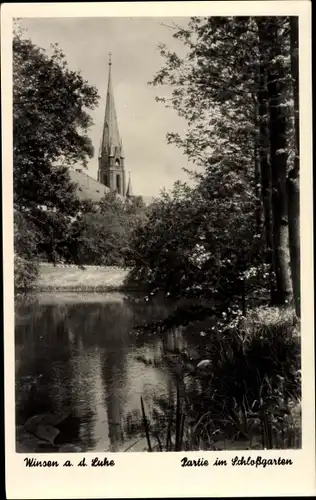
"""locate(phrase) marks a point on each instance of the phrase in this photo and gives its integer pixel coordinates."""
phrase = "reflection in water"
(77, 358)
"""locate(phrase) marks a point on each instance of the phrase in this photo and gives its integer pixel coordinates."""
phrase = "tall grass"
(170, 438)
(247, 395)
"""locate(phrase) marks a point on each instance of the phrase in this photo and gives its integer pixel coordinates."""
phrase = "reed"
(145, 423)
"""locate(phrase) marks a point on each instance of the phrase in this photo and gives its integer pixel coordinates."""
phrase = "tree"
(101, 241)
(161, 247)
(50, 125)
(215, 89)
(213, 86)
(105, 231)
(233, 90)
(265, 164)
(272, 41)
(293, 181)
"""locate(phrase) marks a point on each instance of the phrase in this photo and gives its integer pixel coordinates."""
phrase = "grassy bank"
(75, 279)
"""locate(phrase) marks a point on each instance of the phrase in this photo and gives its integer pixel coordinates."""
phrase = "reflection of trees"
(80, 350)
(34, 376)
(108, 327)
(100, 333)
(83, 369)
(43, 367)
(113, 372)
(116, 342)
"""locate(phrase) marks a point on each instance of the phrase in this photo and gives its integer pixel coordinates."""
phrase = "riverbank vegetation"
(244, 394)
(232, 241)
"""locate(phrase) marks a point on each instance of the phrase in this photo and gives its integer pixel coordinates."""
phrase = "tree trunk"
(258, 210)
(265, 166)
(295, 80)
(293, 192)
(293, 181)
(279, 156)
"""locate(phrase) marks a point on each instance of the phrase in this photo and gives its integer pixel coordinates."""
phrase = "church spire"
(129, 191)
(111, 157)
(111, 143)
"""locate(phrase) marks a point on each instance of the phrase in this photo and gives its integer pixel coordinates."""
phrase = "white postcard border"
(161, 474)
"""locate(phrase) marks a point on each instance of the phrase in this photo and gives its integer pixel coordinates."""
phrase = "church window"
(105, 179)
(117, 163)
(118, 183)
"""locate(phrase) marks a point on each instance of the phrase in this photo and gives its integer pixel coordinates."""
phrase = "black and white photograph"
(157, 244)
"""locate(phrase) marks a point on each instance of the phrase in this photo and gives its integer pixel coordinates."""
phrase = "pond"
(79, 359)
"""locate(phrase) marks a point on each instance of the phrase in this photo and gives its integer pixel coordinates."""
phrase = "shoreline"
(87, 289)
(88, 279)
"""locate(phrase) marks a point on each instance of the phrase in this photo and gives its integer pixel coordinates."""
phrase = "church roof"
(111, 142)
(87, 187)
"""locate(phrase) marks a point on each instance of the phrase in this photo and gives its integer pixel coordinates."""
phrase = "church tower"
(111, 156)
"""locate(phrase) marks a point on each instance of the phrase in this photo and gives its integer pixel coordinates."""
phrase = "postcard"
(158, 249)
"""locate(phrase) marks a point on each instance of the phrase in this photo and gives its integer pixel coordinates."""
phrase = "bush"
(191, 245)
(25, 273)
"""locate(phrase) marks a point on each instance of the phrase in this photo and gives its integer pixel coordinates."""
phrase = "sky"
(143, 123)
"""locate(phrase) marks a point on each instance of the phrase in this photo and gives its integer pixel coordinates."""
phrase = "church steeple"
(111, 156)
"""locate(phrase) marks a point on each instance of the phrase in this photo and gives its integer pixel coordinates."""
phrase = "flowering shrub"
(199, 256)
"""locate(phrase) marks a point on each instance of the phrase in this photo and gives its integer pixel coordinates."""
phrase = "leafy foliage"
(25, 273)
(50, 127)
(207, 240)
(105, 231)
(199, 242)
(25, 236)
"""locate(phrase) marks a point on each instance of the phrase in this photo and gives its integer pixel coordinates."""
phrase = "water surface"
(78, 356)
